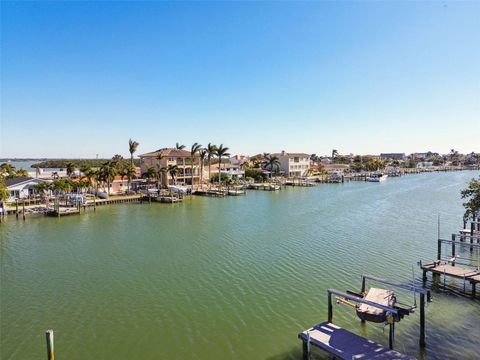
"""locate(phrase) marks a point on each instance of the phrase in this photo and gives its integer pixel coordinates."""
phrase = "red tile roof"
(170, 152)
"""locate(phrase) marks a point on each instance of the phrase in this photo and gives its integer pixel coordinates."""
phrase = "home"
(233, 170)
(335, 168)
(22, 187)
(169, 157)
(293, 164)
(425, 165)
(397, 156)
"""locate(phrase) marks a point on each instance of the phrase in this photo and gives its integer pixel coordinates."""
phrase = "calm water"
(228, 278)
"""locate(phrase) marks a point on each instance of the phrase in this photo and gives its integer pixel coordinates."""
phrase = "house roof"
(17, 180)
(292, 154)
(170, 152)
(13, 182)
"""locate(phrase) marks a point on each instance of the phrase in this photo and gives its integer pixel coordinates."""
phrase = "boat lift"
(370, 306)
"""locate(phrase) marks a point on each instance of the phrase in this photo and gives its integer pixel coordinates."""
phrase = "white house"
(293, 164)
(21, 187)
(233, 170)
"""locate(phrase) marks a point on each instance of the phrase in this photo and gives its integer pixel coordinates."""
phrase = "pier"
(453, 264)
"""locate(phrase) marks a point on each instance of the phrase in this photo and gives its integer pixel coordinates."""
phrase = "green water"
(232, 278)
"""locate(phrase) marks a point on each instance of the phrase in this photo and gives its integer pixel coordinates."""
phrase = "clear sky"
(81, 78)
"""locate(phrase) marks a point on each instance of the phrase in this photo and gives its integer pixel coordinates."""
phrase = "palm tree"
(129, 172)
(108, 171)
(132, 148)
(334, 153)
(55, 175)
(202, 153)
(150, 173)
(4, 193)
(7, 169)
(70, 167)
(193, 151)
(179, 147)
(220, 152)
(172, 170)
(22, 172)
(90, 174)
(41, 188)
(160, 156)
(163, 173)
(84, 169)
(271, 162)
(211, 151)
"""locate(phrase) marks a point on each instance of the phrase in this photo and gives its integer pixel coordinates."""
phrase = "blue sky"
(81, 78)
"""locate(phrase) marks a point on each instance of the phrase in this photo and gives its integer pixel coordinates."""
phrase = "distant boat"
(377, 178)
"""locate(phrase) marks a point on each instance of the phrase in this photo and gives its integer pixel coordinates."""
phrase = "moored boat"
(377, 178)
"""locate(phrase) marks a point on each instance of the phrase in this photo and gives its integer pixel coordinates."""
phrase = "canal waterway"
(230, 278)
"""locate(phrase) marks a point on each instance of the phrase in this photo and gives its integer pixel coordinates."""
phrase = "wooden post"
(16, 208)
(439, 249)
(472, 231)
(453, 247)
(50, 351)
(23, 209)
(422, 320)
(391, 336)
(305, 354)
(363, 284)
(330, 308)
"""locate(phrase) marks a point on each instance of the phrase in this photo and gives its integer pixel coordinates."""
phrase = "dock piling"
(453, 247)
(50, 350)
(422, 320)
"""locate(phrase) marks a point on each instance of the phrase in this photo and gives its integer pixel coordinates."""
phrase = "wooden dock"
(265, 187)
(453, 265)
(63, 211)
(345, 345)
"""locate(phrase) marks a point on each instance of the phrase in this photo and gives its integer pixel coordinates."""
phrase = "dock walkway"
(346, 345)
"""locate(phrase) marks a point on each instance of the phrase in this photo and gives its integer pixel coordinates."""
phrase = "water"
(232, 278)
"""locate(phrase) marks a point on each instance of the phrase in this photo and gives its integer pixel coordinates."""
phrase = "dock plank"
(346, 345)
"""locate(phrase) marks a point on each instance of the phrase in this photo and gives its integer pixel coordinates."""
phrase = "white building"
(21, 187)
(293, 164)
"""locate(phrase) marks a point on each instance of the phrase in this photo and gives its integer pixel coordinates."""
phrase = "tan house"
(293, 164)
(170, 156)
(335, 168)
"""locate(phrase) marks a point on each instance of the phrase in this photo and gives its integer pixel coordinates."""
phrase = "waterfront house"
(293, 164)
(425, 165)
(235, 171)
(397, 156)
(118, 186)
(335, 168)
(22, 187)
(172, 156)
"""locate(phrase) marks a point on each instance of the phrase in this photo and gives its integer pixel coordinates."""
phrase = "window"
(171, 159)
(296, 159)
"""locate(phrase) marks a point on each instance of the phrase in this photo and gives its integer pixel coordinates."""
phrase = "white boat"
(377, 178)
(178, 189)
